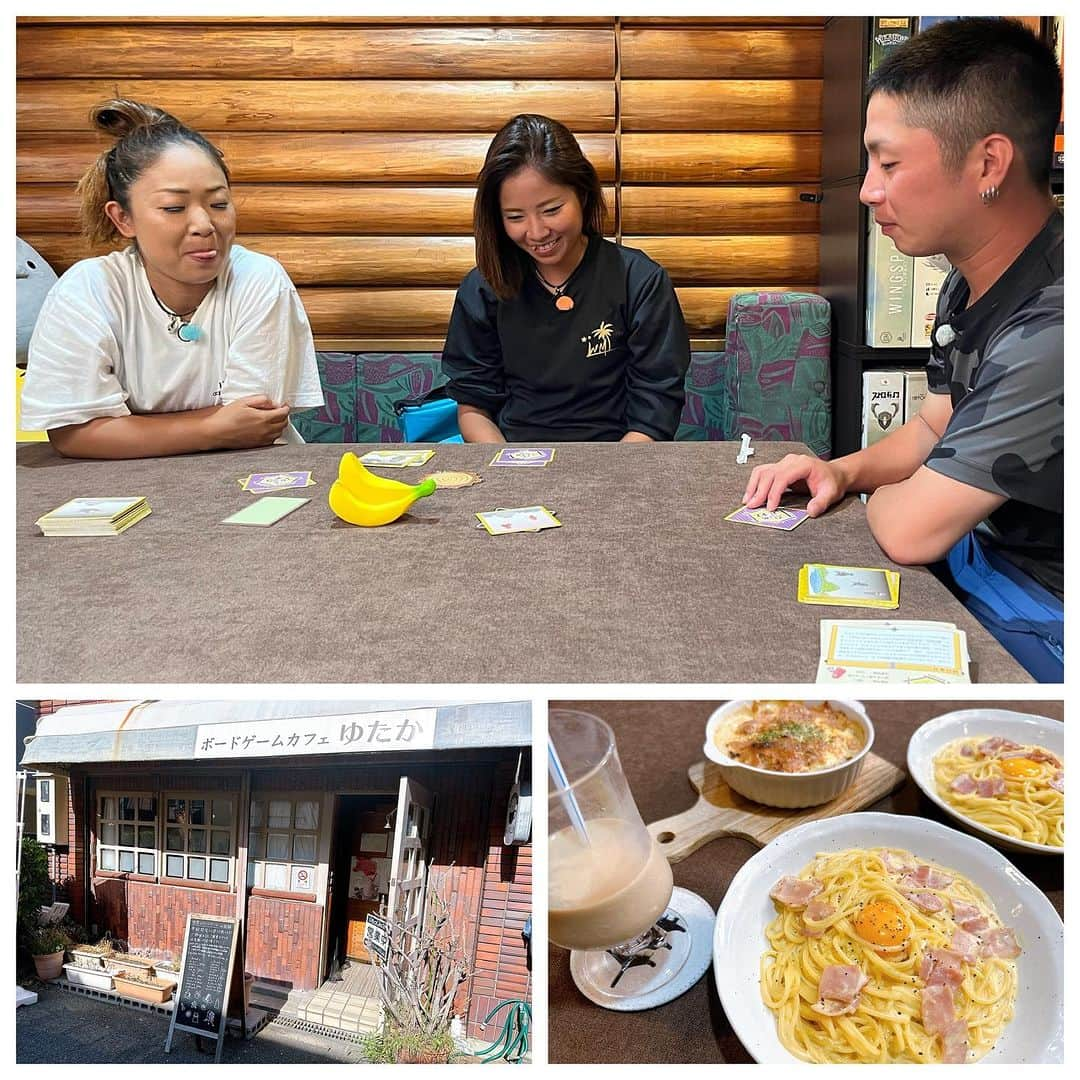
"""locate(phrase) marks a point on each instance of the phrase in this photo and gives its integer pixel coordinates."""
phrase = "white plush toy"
(34, 277)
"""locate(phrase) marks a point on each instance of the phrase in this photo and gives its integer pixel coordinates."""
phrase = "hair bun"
(121, 116)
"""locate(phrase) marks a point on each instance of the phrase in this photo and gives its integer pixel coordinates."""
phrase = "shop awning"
(216, 730)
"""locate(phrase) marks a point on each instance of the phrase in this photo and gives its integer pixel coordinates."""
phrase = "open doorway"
(360, 879)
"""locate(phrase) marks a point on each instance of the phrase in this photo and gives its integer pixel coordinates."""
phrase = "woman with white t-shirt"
(184, 341)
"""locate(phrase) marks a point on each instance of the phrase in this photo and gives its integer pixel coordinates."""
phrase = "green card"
(265, 511)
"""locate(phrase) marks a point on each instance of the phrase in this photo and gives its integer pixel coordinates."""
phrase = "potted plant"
(122, 961)
(81, 975)
(91, 956)
(143, 987)
(47, 947)
(417, 984)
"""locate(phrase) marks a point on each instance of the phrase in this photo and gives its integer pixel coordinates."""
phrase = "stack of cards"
(849, 586)
(396, 459)
(524, 456)
(892, 651)
(94, 517)
(519, 519)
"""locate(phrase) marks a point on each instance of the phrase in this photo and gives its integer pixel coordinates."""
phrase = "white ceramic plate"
(1020, 727)
(1035, 1034)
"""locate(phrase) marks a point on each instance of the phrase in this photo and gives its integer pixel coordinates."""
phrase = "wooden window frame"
(137, 849)
(186, 853)
(256, 882)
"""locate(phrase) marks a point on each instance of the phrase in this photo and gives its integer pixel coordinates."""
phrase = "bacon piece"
(993, 788)
(963, 784)
(926, 901)
(1001, 942)
(938, 1009)
(940, 966)
(1039, 754)
(967, 750)
(965, 945)
(969, 917)
(927, 877)
(816, 911)
(794, 892)
(839, 990)
(894, 864)
(954, 1043)
(1058, 782)
(992, 746)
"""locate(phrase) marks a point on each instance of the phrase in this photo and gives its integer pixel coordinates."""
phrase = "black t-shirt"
(616, 362)
(1005, 373)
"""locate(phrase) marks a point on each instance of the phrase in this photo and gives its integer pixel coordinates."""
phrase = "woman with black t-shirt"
(558, 334)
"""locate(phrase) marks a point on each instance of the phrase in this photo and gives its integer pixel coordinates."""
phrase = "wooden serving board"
(720, 811)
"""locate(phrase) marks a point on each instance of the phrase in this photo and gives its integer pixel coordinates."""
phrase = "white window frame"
(117, 848)
(260, 833)
(187, 853)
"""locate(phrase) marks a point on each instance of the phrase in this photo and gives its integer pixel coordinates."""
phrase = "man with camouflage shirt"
(959, 134)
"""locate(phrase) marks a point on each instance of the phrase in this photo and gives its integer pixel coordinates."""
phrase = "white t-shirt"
(102, 347)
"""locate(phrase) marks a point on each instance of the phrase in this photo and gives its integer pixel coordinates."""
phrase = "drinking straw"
(573, 811)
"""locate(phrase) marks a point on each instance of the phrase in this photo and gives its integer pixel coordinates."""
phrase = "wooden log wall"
(354, 144)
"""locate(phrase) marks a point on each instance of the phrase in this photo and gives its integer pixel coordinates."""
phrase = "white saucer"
(645, 987)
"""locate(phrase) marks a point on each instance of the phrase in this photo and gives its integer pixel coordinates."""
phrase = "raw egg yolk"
(882, 923)
(1020, 766)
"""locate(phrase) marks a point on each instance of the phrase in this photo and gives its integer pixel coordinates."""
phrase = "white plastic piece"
(24, 997)
(745, 452)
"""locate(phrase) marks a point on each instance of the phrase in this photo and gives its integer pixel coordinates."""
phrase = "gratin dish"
(789, 791)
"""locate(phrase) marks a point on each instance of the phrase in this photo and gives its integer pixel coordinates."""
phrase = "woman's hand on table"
(246, 422)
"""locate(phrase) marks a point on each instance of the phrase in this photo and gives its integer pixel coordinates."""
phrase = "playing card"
(265, 483)
(519, 519)
(396, 459)
(854, 586)
(783, 517)
(526, 457)
(265, 511)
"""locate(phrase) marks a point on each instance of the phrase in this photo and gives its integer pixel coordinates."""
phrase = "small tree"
(34, 890)
(418, 984)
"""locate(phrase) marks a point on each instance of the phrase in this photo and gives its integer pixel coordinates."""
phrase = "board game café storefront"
(298, 819)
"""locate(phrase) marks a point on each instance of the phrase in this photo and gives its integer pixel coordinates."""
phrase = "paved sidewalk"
(67, 1027)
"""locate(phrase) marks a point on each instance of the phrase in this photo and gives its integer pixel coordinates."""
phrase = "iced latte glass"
(635, 941)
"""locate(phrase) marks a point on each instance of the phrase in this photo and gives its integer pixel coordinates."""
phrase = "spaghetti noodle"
(1012, 789)
(869, 961)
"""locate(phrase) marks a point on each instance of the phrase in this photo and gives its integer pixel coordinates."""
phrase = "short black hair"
(966, 78)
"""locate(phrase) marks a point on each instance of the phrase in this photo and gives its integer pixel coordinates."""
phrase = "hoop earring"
(990, 194)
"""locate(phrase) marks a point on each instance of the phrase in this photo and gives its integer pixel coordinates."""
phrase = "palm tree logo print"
(599, 341)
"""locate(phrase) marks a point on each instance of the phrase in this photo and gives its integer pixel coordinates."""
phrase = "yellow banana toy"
(362, 498)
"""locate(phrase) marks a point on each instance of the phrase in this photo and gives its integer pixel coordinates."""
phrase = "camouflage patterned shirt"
(1005, 372)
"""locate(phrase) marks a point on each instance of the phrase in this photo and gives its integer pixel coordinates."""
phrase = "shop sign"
(410, 729)
(377, 936)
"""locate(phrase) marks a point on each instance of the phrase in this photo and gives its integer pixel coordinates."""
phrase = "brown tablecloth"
(658, 742)
(645, 582)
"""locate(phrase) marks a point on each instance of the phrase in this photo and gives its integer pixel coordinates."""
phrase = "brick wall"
(501, 973)
(283, 938)
(150, 916)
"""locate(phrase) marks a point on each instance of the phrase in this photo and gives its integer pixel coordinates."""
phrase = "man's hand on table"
(826, 483)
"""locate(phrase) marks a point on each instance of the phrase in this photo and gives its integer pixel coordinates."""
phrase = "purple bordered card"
(266, 483)
(783, 517)
(527, 457)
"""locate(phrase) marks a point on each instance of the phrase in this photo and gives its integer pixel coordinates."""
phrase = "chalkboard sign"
(202, 994)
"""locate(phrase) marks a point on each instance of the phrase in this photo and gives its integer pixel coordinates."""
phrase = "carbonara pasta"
(878, 957)
(1015, 790)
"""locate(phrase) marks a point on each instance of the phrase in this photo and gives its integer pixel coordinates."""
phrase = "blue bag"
(431, 420)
